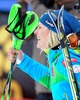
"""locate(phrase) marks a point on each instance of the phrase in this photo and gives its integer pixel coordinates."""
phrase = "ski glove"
(73, 40)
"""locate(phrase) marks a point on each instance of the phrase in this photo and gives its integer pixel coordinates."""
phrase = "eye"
(39, 27)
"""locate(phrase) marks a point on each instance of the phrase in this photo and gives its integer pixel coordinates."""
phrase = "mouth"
(38, 38)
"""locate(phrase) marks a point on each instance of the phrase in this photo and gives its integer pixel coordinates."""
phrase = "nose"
(35, 32)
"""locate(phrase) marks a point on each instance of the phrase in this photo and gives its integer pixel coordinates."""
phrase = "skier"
(55, 76)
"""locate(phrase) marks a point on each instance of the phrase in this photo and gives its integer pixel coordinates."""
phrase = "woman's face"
(41, 33)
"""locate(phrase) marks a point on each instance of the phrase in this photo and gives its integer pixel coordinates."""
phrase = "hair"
(52, 40)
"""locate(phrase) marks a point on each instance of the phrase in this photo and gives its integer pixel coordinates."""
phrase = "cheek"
(41, 44)
(44, 39)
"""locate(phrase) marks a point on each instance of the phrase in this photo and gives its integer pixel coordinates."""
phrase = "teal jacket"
(55, 76)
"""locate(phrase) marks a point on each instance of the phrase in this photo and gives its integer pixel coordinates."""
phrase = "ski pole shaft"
(69, 70)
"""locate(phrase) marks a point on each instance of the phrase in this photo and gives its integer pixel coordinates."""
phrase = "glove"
(73, 40)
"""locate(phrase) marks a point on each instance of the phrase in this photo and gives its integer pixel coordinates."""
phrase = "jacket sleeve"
(35, 70)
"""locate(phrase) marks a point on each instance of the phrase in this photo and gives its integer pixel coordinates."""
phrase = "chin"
(40, 47)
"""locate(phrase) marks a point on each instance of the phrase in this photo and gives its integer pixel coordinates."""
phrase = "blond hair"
(52, 40)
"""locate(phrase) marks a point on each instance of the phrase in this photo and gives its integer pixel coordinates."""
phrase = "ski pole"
(63, 42)
(20, 26)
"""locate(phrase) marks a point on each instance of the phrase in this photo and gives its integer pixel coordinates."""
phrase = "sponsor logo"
(76, 68)
(49, 23)
(72, 60)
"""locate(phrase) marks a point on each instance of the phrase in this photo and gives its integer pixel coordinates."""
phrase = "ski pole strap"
(62, 42)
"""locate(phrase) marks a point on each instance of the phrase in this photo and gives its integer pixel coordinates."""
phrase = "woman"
(55, 77)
